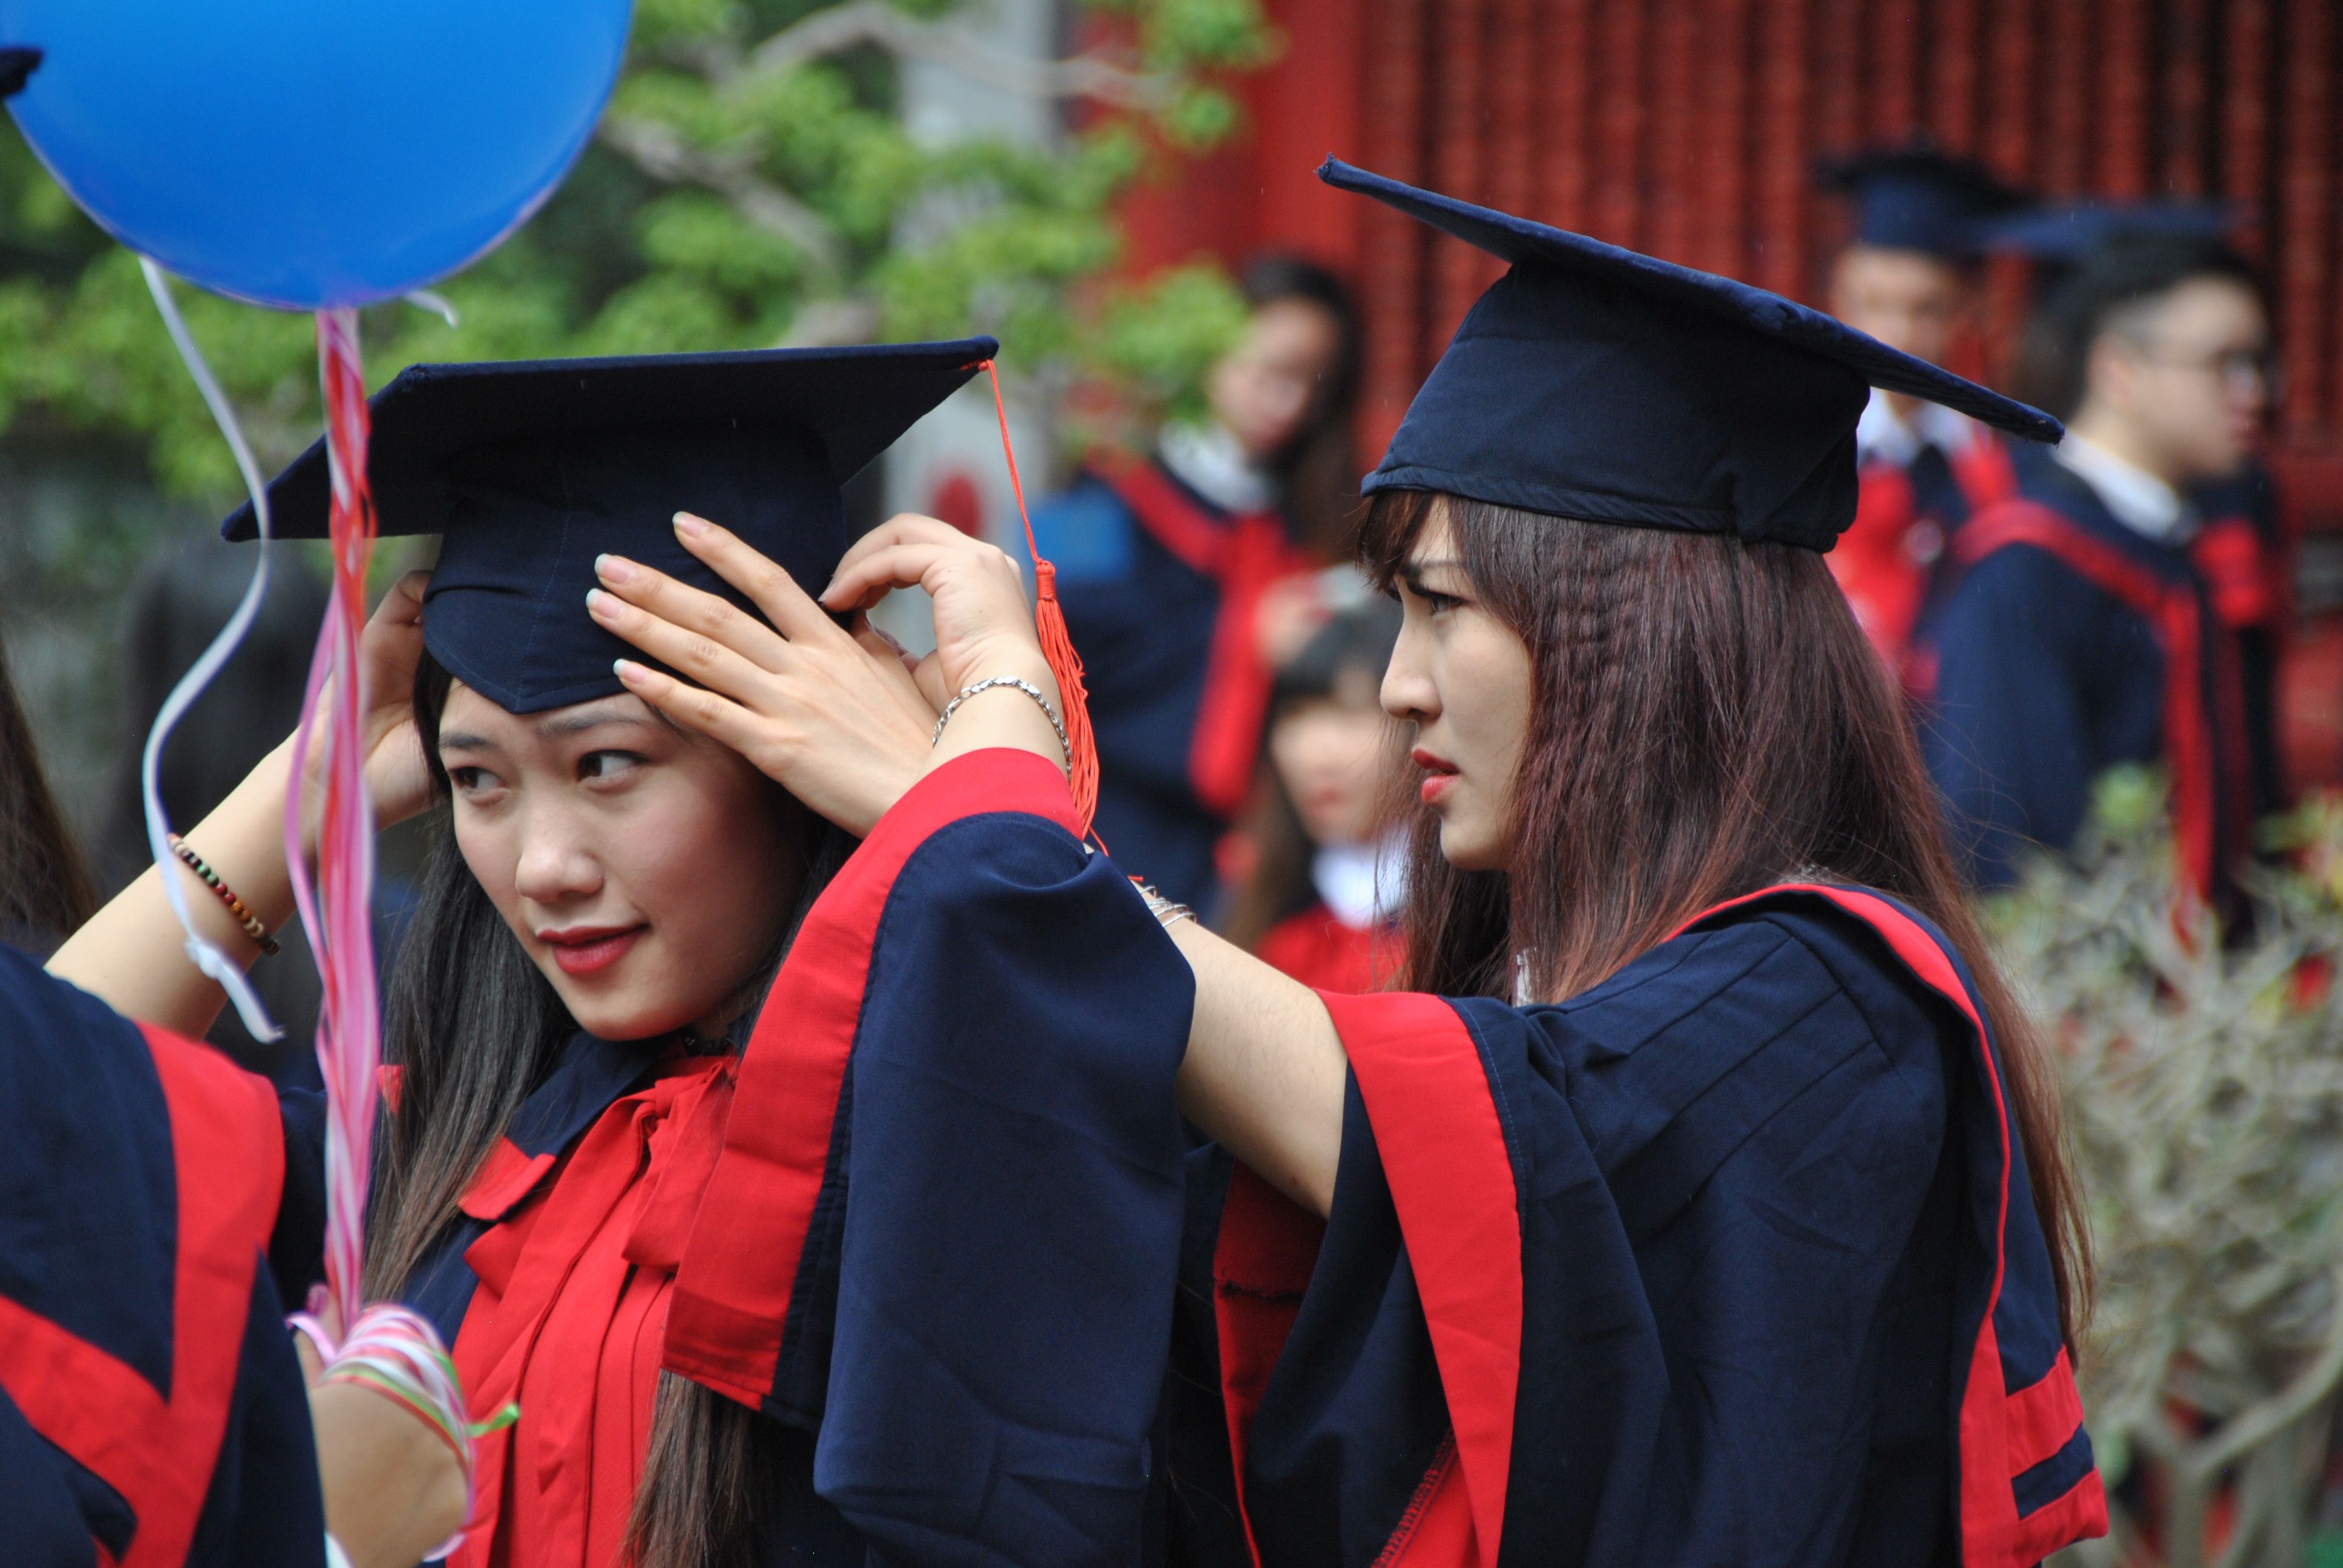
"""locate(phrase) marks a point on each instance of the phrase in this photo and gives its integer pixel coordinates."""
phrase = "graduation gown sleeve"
(2010, 741)
(944, 1226)
(151, 1409)
(1729, 1260)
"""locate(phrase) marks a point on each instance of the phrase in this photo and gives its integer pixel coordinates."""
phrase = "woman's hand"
(984, 627)
(834, 717)
(984, 631)
(391, 645)
(130, 953)
(392, 1489)
(398, 780)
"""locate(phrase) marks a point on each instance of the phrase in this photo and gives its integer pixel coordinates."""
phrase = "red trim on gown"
(2205, 742)
(1453, 1183)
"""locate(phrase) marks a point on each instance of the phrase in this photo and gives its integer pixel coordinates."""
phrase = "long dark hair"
(473, 1028)
(1707, 718)
(1317, 481)
(45, 889)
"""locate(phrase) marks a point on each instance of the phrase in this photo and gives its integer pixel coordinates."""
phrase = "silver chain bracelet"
(1167, 913)
(1028, 688)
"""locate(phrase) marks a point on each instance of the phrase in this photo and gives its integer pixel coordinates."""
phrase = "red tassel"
(1057, 647)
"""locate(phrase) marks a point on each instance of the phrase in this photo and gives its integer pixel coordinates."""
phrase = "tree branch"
(841, 27)
(661, 152)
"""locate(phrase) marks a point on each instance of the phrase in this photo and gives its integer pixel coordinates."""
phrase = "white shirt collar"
(1882, 436)
(2139, 499)
(1211, 462)
(1361, 885)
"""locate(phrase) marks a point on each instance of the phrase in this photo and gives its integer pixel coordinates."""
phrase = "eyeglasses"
(2239, 369)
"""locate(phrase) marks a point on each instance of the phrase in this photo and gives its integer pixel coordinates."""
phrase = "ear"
(2111, 373)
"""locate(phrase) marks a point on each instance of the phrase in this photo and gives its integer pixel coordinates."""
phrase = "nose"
(1409, 692)
(554, 866)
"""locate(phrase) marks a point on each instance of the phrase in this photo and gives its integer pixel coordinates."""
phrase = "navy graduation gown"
(1159, 587)
(1732, 1260)
(2071, 644)
(979, 1023)
(152, 1411)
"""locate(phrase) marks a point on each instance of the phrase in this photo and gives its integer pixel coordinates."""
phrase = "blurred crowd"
(2049, 613)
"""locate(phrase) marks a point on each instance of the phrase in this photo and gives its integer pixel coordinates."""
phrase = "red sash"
(2204, 701)
(1246, 554)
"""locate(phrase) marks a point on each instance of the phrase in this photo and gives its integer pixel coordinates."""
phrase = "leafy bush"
(2203, 1077)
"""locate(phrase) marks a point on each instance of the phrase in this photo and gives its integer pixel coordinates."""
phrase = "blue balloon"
(309, 152)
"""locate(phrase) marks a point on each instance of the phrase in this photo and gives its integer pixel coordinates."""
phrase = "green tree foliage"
(754, 182)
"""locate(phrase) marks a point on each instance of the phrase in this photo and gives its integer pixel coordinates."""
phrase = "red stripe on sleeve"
(732, 1289)
(1452, 1180)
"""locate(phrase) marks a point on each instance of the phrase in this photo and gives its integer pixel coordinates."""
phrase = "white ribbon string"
(206, 958)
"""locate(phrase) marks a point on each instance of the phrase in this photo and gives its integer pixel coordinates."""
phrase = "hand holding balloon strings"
(140, 110)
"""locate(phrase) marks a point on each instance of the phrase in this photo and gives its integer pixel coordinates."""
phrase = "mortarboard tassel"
(1057, 645)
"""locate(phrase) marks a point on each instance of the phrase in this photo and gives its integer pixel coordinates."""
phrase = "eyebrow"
(1412, 572)
(561, 726)
(465, 740)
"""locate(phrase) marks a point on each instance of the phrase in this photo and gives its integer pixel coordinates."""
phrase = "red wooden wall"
(1687, 128)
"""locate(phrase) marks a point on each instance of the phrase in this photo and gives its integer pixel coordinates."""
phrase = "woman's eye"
(1437, 603)
(471, 780)
(608, 764)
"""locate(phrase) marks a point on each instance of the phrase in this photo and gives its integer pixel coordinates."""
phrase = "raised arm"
(1264, 1071)
(132, 953)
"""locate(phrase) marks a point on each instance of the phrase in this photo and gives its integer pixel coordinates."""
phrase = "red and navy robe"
(152, 1412)
(1891, 561)
(552, 1291)
(1730, 1259)
(1161, 591)
(2070, 644)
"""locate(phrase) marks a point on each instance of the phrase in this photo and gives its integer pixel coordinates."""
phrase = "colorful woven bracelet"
(211, 878)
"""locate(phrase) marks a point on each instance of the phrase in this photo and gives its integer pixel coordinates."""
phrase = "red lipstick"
(585, 949)
(1439, 775)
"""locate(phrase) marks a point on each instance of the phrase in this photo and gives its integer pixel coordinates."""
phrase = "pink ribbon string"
(337, 908)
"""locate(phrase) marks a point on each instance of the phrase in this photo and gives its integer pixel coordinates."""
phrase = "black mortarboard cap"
(2066, 234)
(1596, 383)
(1913, 197)
(529, 469)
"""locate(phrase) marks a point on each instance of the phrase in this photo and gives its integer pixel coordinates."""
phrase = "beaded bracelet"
(211, 878)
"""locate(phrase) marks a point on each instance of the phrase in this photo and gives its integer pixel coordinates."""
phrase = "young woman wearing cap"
(1719, 1212)
(606, 899)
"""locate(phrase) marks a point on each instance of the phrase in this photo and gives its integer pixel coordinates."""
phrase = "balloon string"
(337, 909)
(207, 959)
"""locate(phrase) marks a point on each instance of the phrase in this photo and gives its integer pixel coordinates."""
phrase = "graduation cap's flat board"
(530, 469)
(1913, 197)
(1595, 382)
(2068, 233)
